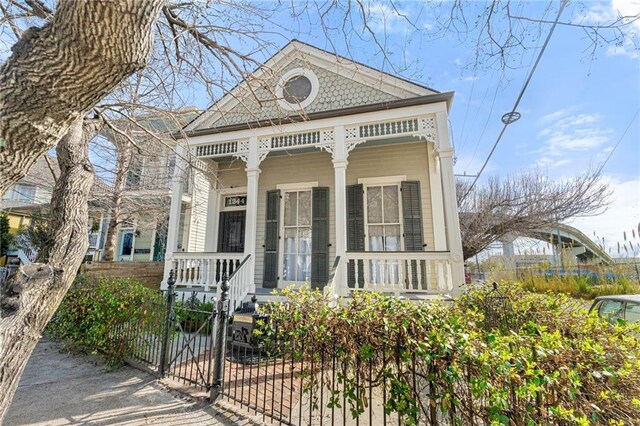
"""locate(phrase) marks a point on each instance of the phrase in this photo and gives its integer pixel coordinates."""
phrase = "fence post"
(221, 321)
(168, 323)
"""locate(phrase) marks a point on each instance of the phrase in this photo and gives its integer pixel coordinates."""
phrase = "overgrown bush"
(194, 315)
(554, 365)
(97, 315)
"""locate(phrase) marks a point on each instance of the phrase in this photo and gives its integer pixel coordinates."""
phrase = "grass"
(581, 287)
(617, 279)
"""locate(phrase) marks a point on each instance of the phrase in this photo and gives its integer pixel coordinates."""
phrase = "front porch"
(359, 202)
(399, 273)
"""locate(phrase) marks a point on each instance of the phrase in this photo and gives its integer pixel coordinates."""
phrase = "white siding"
(198, 220)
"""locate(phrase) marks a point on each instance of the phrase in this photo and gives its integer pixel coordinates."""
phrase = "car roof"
(621, 297)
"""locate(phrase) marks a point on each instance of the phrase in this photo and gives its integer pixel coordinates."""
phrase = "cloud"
(384, 19)
(622, 215)
(627, 49)
(567, 132)
(626, 11)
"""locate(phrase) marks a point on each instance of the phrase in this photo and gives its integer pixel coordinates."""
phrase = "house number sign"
(235, 201)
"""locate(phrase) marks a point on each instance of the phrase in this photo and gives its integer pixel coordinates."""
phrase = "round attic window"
(297, 89)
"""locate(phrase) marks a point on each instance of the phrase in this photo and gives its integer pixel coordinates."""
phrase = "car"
(618, 307)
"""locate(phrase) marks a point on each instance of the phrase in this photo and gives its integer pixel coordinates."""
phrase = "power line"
(515, 106)
(619, 140)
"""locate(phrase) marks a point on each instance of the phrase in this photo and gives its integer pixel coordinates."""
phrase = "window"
(632, 312)
(297, 89)
(383, 218)
(383, 230)
(297, 236)
(611, 310)
(20, 192)
(135, 172)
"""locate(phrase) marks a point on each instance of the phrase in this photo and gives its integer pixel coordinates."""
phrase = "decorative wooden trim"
(299, 186)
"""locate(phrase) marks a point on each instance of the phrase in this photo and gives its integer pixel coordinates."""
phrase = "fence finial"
(171, 280)
(224, 286)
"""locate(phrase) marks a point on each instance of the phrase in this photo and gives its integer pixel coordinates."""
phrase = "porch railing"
(204, 271)
(240, 284)
(399, 272)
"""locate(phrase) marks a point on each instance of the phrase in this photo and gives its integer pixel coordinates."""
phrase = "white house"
(322, 170)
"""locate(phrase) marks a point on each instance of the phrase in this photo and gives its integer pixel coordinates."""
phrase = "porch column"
(177, 188)
(454, 242)
(340, 184)
(437, 203)
(251, 221)
(211, 232)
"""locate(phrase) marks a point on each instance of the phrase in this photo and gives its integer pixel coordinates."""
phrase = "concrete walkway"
(58, 388)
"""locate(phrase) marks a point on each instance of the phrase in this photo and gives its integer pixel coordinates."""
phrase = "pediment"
(301, 79)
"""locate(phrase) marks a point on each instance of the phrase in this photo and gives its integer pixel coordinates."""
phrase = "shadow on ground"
(58, 388)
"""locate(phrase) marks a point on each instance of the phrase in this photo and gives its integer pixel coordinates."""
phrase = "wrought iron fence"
(292, 379)
(175, 338)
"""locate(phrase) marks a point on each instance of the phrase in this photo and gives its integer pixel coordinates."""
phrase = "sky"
(580, 106)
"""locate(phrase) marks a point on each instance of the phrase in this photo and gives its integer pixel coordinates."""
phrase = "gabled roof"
(344, 84)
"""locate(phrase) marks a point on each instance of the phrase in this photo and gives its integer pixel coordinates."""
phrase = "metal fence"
(294, 380)
(175, 338)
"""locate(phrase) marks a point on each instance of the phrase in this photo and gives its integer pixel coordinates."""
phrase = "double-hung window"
(383, 218)
(297, 236)
(383, 230)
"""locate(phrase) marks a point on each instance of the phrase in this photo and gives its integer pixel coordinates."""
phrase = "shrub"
(194, 315)
(556, 365)
(95, 315)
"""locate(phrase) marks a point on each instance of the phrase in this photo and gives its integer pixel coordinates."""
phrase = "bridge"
(563, 237)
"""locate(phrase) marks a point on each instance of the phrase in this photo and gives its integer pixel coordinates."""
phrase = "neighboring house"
(345, 180)
(147, 195)
(30, 194)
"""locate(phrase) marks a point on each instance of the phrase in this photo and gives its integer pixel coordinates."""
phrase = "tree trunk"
(30, 297)
(58, 72)
(124, 153)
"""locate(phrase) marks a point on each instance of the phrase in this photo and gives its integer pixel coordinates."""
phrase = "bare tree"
(523, 203)
(65, 61)
(31, 296)
(136, 155)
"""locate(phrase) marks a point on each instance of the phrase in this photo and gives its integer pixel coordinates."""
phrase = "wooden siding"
(409, 159)
(198, 219)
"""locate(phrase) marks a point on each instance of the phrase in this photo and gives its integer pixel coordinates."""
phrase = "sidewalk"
(59, 388)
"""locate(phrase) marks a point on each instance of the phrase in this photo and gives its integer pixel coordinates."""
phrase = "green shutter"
(412, 216)
(412, 221)
(271, 240)
(355, 229)
(320, 238)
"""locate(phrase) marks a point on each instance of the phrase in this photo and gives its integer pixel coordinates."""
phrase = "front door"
(231, 232)
(126, 245)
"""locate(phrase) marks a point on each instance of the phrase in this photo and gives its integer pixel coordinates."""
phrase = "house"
(30, 194)
(143, 213)
(321, 170)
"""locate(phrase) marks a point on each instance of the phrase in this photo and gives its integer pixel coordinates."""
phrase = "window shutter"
(355, 230)
(412, 221)
(320, 238)
(271, 240)
(412, 216)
